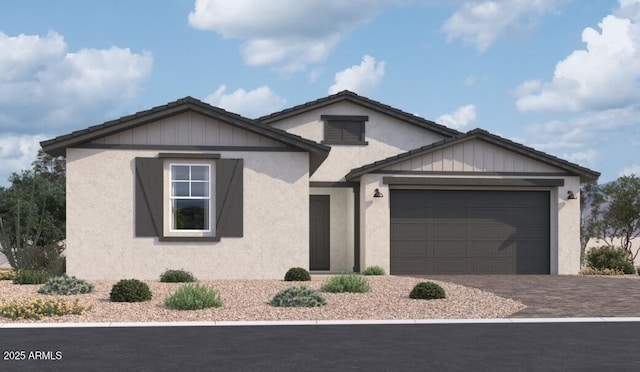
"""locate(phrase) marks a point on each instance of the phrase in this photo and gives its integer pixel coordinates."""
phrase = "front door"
(319, 232)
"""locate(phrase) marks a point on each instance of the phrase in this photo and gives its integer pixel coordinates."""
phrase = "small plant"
(297, 274)
(130, 290)
(193, 297)
(353, 283)
(36, 309)
(427, 291)
(65, 285)
(373, 270)
(7, 274)
(31, 277)
(610, 258)
(298, 297)
(177, 276)
(592, 271)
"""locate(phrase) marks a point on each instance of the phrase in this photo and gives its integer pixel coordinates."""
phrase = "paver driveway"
(560, 296)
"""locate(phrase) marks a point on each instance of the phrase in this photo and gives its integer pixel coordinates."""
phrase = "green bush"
(613, 258)
(177, 276)
(592, 271)
(427, 291)
(353, 283)
(373, 270)
(65, 285)
(130, 290)
(31, 277)
(297, 274)
(193, 297)
(36, 309)
(298, 297)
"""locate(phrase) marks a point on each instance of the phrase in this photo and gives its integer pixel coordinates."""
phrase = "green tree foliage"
(615, 210)
(32, 215)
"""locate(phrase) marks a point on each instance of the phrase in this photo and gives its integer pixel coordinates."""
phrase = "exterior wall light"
(377, 194)
(571, 195)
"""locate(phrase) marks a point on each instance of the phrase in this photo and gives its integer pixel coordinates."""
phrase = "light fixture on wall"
(377, 194)
(571, 195)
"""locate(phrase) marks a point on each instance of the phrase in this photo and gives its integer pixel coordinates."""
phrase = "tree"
(616, 213)
(33, 214)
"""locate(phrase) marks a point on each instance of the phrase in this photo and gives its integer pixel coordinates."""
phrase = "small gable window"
(344, 129)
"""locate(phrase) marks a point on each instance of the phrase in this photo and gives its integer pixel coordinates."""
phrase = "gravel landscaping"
(248, 300)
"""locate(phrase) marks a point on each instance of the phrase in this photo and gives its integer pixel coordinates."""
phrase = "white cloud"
(604, 75)
(461, 117)
(584, 158)
(291, 34)
(632, 169)
(481, 23)
(251, 104)
(362, 78)
(17, 152)
(44, 87)
(469, 81)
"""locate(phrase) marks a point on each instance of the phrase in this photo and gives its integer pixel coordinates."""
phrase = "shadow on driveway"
(559, 296)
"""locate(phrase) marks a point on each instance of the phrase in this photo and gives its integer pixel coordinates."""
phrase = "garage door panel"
(469, 232)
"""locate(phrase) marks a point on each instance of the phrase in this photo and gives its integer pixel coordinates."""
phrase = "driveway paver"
(559, 296)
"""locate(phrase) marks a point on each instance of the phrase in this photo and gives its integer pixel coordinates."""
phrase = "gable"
(188, 129)
(473, 156)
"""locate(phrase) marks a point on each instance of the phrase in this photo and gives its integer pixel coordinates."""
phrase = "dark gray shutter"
(333, 131)
(229, 197)
(149, 187)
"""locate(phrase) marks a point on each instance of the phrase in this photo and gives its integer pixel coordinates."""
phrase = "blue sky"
(562, 76)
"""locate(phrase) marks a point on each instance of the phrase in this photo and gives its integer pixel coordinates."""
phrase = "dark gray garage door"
(469, 232)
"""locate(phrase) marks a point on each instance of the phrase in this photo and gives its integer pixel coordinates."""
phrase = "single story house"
(333, 185)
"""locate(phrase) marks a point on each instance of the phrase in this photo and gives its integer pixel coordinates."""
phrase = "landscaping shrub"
(7, 274)
(130, 290)
(427, 291)
(177, 276)
(31, 277)
(297, 274)
(373, 270)
(36, 309)
(353, 283)
(613, 258)
(64, 285)
(298, 297)
(193, 297)
(592, 271)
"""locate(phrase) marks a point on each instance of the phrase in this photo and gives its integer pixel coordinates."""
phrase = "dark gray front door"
(319, 258)
(469, 232)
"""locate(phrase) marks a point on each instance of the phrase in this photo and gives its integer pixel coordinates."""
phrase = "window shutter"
(333, 131)
(148, 203)
(229, 185)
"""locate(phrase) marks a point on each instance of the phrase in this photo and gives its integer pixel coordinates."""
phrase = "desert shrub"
(7, 274)
(613, 258)
(298, 297)
(427, 291)
(31, 277)
(297, 274)
(193, 297)
(65, 285)
(346, 283)
(592, 271)
(130, 290)
(373, 270)
(177, 276)
(36, 309)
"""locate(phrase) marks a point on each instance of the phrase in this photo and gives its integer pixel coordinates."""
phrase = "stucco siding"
(341, 227)
(101, 243)
(473, 156)
(386, 136)
(188, 129)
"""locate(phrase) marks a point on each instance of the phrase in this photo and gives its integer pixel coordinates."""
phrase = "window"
(190, 197)
(344, 129)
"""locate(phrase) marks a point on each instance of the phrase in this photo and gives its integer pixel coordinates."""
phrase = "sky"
(562, 76)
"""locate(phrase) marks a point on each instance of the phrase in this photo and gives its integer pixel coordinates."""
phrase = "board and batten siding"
(188, 129)
(472, 156)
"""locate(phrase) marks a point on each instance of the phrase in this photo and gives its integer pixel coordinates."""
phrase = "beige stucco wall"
(386, 136)
(100, 220)
(341, 227)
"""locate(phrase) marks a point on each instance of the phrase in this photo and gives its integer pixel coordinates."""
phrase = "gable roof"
(58, 145)
(349, 96)
(584, 173)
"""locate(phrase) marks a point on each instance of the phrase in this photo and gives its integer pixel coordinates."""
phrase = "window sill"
(363, 143)
(189, 239)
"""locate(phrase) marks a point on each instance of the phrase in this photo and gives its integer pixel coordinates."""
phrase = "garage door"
(469, 232)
